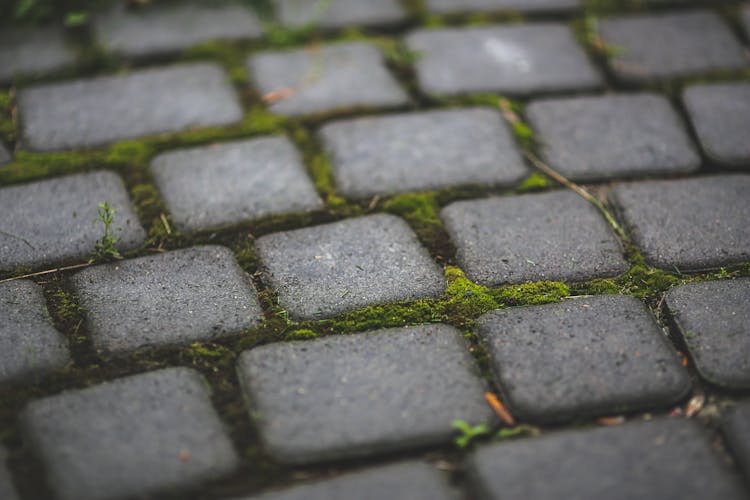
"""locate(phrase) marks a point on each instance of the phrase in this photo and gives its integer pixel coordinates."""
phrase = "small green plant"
(468, 432)
(106, 246)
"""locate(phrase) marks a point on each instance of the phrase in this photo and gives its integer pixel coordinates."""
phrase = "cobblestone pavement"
(366, 249)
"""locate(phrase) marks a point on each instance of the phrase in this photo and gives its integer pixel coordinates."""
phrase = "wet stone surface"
(736, 428)
(339, 13)
(465, 6)
(7, 490)
(34, 52)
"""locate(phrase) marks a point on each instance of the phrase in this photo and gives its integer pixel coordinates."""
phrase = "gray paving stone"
(326, 270)
(224, 184)
(5, 156)
(177, 297)
(665, 458)
(326, 79)
(454, 7)
(29, 343)
(169, 28)
(604, 137)
(131, 437)
(93, 112)
(7, 490)
(357, 395)
(34, 52)
(746, 19)
(515, 60)
(586, 356)
(660, 46)
(720, 114)
(339, 13)
(690, 224)
(549, 236)
(736, 427)
(54, 221)
(422, 151)
(714, 319)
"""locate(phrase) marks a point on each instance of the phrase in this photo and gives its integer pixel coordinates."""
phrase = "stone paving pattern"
(34, 52)
(453, 7)
(339, 13)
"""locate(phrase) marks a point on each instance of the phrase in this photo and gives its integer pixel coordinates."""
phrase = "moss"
(322, 174)
(465, 299)
(152, 212)
(7, 128)
(384, 316)
(302, 334)
(418, 208)
(535, 182)
(66, 307)
(244, 252)
(540, 292)
(128, 153)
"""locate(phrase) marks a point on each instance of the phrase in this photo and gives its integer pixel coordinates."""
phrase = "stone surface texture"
(736, 428)
(465, 6)
(34, 52)
(339, 13)
(5, 156)
(7, 490)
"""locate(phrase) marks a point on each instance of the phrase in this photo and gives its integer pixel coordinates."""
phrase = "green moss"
(128, 153)
(384, 316)
(540, 292)
(465, 299)
(322, 174)
(7, 128)
(244, 251)
(152, 212)
(66, 306)
(418, 208)
(301, 334)
(535, 182)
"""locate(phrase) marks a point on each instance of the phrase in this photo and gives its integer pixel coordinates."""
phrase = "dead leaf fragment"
(607, 421)
(695, 404)
(500, 410)
(278, 95)
(184, 456)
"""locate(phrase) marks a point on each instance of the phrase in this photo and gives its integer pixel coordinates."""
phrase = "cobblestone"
(130, 437)
(326, 270)
(226, 184)
(177, 297)
(339, 13)
(514, 60)
(93, 112)
(594, 138)
(736, 427)
(54, 221)
(34, 52)
(422, 151)
(689, 223)
(357, 395)
(453, 7)
(326, 79)
(549, 236)
(7, 490)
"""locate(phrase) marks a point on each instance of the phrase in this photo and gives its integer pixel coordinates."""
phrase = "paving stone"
(357, 395)
(326, 79)
(689, 224)
(720, 114)
(54, 221)
(5, 156)
(224, 184)
(422, 151)
(7, 490)
(170, 28)
(34, 52)
(131, 437)
(454, 7)
(177, 297)
(93, 112)
(549, 236)
(664, 458)
(339, 13)
(746, 19)
(714, 319)
(587, 356)
(29, 343)
(515, 60)
(736, 427)
(604, 137)
(326, 270)
(653, 47)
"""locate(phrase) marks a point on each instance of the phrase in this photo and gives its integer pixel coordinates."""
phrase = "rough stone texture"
(690, 223)
(326, 79)
(422, 151)
(356, 395)
(549, 236)
(664, 458)
(339, 13)
(29, 344)
(720, 114)
(453, 6)
(714, 319)
(653, 47)
(326, 270)
(131, 437)
(4, 155)
(93, 112)
(220, 185)
(177, 297)
(587, 356)
(516, 60)
(170, 28)
(746, 19)
(7, 490)
(33, 52)
(604, 137)
(54, 221)
(736, 427)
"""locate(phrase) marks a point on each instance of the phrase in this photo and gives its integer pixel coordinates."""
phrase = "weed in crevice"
(468, 433)
(106, 246)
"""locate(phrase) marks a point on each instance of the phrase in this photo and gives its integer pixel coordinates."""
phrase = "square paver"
(326, 79)
(422, 151)
(339, 13)
(604, 137)
(94, 112)
(326, 270)
(660, 46)
(665, 458)
(688, 224)
(549, 236)
(463, 6)
(720, 114)
(7, 490)
(177, 297)
(515, 60)
(149, 31)
(34, 52)
(225, 184)
(713, 317)
(587, 356)
(129, 438)
(357, 395)
(736, 427)
(55, 221)
(29, 343)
